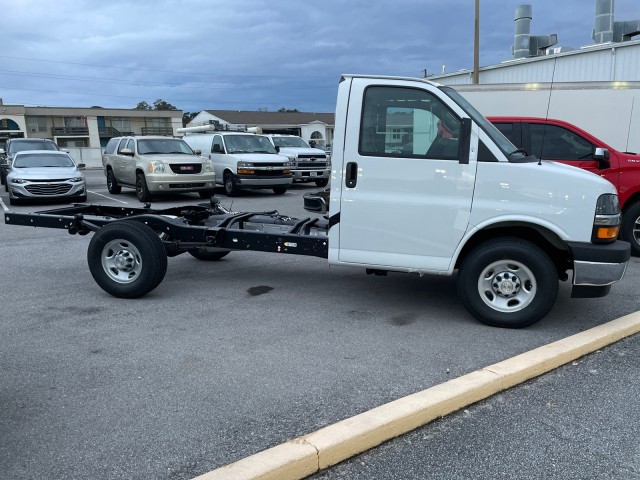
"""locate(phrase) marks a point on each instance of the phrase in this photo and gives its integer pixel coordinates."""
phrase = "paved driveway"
(226, 358)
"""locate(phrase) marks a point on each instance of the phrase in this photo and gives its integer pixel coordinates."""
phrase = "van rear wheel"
(279, 190)
(508, 282)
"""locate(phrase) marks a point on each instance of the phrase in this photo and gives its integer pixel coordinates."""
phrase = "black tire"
(112, 183)
(14, 201)
(322, 182)
(142, 192)
(230, 188)
(127, 259)
(630, 231)
(206, 193)
(209, 254)
(3, 179)
(81, 199)
(508, 282)
(279, 190)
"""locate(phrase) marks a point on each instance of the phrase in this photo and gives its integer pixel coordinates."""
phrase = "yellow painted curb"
(310, 453)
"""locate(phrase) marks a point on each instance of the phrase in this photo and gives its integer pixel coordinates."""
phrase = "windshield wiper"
(520, 150)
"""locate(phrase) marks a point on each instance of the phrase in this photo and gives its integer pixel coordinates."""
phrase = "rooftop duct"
(526, 45)
(607, 30)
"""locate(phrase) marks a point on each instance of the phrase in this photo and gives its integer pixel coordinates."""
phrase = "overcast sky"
(253, 54)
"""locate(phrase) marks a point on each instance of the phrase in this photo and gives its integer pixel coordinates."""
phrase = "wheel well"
(546, 240)
(631, 201)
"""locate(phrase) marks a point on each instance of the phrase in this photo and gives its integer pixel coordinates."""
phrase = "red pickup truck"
(550, 139)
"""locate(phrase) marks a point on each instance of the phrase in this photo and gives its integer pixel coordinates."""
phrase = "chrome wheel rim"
(636, 231)
(507, 286)
(121, 261)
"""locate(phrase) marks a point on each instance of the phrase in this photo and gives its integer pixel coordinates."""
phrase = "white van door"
(407, 193)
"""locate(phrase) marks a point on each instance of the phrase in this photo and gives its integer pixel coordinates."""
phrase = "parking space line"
(308, 454)
(6, 209)
(106, 196)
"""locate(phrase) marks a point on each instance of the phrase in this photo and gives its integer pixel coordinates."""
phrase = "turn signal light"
(246, 171)
(607, 233)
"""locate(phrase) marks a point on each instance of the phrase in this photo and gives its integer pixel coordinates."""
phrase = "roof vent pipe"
(522, 37)
(603, 31)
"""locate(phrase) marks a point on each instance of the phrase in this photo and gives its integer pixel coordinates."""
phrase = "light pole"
(476, 45)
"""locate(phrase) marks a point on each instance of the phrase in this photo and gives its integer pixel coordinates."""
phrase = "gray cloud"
(250, 54)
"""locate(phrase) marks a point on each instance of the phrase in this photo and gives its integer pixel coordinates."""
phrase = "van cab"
(243, 161)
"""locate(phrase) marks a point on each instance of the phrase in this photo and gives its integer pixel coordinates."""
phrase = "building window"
(121, 123)
(36, 124)
(159, 122)
(75, 122)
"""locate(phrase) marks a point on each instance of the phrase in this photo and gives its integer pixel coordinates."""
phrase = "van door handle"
(351, 174)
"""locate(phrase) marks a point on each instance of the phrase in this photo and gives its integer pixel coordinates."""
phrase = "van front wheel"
(508, 282)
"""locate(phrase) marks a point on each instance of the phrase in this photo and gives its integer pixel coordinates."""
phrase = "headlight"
(606, 224)
(607, 204)
(245, 164)
(208, 166)
(156, 167)
(18, 180)
(76, 179)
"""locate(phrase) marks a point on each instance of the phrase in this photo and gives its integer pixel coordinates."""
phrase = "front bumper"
(308, 175)
(262, 181)
(597, 266)
(46, 190)
(166, 183)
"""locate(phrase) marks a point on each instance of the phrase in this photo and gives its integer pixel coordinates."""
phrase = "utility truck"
(457, 197)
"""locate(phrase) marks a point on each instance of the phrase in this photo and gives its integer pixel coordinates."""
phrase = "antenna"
(633, 99)
(546, 117)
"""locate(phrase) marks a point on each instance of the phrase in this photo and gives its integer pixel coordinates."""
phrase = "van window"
(217, 140)
(407, 122)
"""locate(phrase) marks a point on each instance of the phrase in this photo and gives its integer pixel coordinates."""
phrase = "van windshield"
(510, 151)
(284, 142)
(248, 144)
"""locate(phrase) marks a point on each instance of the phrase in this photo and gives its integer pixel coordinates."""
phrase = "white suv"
(155, 164)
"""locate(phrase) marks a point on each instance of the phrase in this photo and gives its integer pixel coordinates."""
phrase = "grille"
(270, 173)
(318, 165)
(48, 188)
(317, 157)
(186, 168)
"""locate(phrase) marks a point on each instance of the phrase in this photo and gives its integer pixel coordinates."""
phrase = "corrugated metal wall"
(601, 63)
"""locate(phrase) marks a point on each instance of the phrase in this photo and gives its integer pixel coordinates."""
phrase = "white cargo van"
(243, 161)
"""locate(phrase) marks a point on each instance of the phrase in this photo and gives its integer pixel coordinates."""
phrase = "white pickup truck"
(421, 183)
(308, 164)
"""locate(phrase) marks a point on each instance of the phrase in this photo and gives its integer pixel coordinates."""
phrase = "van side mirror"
(126, 151)
(465, 141)
(602, 155)
(197, 151)
(277, 149)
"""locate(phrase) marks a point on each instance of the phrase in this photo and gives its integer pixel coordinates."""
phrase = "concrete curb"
(310, 453)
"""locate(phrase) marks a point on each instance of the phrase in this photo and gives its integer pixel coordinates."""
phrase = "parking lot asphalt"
(204, 372)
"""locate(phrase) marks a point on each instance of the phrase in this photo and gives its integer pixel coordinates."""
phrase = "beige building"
(84, 127)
